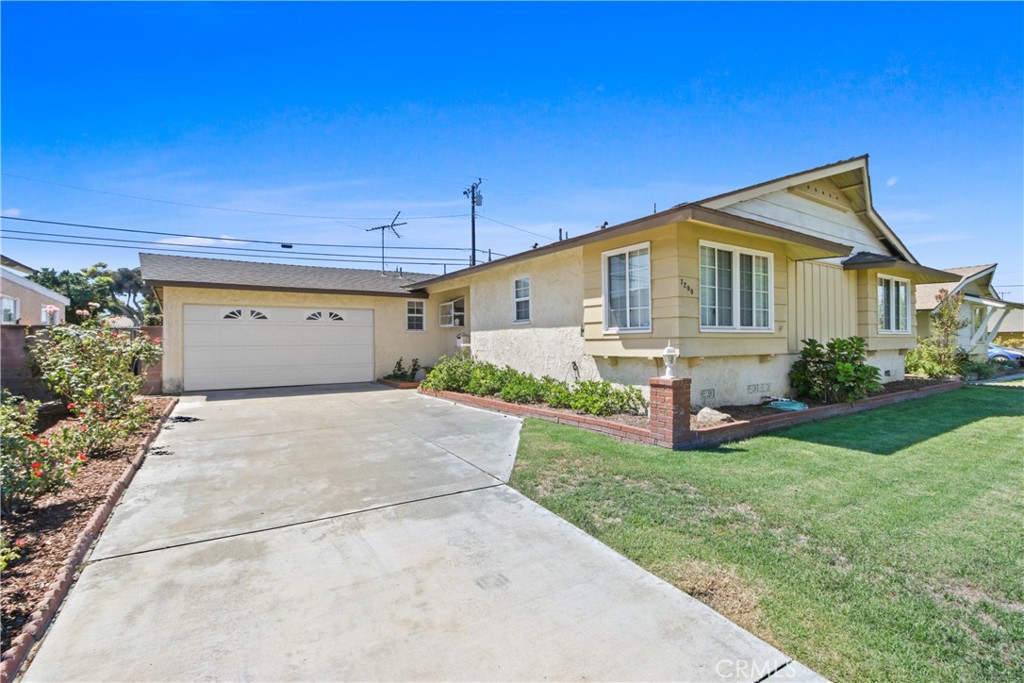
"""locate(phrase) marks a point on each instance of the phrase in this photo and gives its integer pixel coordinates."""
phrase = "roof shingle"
(189, 271)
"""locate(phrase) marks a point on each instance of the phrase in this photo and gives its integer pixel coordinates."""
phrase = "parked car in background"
(1005, 355)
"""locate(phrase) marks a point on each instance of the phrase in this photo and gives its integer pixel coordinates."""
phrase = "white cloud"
(12, 212)
(892, 181)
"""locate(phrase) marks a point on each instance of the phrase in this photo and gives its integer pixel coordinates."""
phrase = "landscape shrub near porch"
(835, 372)
(465, 375)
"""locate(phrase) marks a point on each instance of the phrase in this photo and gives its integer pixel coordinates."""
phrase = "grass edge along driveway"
(886, 545)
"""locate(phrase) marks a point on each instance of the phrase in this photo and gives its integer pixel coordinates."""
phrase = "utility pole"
(475, 199)
(383, 229)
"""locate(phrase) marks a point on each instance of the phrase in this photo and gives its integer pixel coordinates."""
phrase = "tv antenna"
(383, 231)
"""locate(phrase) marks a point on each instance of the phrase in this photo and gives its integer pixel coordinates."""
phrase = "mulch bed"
(750, 412)
(640, 421)
(50, 526)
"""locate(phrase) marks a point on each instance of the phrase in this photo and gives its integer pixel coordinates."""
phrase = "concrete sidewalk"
(367, 534)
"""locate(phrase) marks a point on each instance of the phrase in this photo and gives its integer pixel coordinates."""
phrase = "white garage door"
(237, 347)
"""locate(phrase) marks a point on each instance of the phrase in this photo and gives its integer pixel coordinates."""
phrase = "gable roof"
(20, 280)
(850, 176)
(16, 265)
(925, 299)
(159, 270)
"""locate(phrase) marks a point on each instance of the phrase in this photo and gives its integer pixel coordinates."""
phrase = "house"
(983, 311)
(735, 281)
(237, 324)
(1011, 332)
(25, 302)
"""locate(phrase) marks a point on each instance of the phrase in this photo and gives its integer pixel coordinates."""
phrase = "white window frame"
(449, 317)
(422, 315)
(45, 319)
(516, 300)
(894, 312)
(606, 292)
(736, 251)
(15, 306)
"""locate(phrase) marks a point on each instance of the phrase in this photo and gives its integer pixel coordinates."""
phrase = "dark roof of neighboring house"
(926, 295)
(159, 270)
(16, 265)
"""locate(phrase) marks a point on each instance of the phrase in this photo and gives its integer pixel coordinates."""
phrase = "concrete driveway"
(358, 532)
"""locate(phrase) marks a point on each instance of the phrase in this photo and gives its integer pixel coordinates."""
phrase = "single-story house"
(735, 281)
(1011, 332)
(983, 311)
(24, 302)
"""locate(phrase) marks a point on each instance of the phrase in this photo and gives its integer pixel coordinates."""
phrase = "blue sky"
(574, 114)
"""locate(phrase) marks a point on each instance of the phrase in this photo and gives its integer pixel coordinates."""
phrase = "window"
(627, 289)
(453, 313)
(10, 309)
(893, 305)
(735, 288)
(49, 314)
(414, 316)
(521, 299)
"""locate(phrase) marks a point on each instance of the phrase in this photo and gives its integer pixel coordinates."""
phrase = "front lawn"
(886, 545)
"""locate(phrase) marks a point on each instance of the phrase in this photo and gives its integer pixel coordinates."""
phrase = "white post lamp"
(670, 354)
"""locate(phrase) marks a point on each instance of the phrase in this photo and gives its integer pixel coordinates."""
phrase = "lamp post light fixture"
(669, 355)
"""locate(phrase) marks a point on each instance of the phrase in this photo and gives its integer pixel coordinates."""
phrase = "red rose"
(85, 428)
(44, 442)
(36, 466)
(32, 437)
(81, 456)
(72, 406)
(20, 543)
(37, 473)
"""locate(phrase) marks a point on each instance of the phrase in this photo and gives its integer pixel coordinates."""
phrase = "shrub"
(90, 366)
(600, 398)
(450, 373)
(400, 374)
(31, 466)
(486, 379)
(8, 552)
(981, 369)
(834, 373)
(522, 388)
(556, 394)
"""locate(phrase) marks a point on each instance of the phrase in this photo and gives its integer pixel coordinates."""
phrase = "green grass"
(887, 545)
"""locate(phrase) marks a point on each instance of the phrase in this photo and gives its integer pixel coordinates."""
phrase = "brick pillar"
(670, 411)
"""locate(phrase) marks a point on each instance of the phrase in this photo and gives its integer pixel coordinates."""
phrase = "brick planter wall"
(669, 417)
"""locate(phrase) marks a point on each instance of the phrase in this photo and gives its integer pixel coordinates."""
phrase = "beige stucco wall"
(391, 339)
(30, 302)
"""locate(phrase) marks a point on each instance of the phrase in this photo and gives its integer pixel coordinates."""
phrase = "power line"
(509, 225)
(221, 239)
(231, 250)
(347, 259)
(219, 208)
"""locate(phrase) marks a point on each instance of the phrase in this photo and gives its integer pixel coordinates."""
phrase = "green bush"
(462, 374)
(556, 394)
(31, 466)
(400, 374)
(450, 373)
(835, 372)
(522, 388)
(94, 368)
(486, 379)
(8, 553)
(983, 370)
(601, 398)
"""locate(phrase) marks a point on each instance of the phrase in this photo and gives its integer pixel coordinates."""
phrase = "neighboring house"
(1011, 332)
(24, 302)
(735, 281)
(983, 311)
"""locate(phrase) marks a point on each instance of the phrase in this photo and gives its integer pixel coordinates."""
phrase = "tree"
(128, 283)
(92, 285)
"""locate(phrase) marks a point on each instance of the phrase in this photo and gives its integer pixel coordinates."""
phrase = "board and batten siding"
(823, 303)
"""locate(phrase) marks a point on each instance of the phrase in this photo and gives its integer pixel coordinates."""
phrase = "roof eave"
(410, 294)
(815, 247)
(923, 274)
